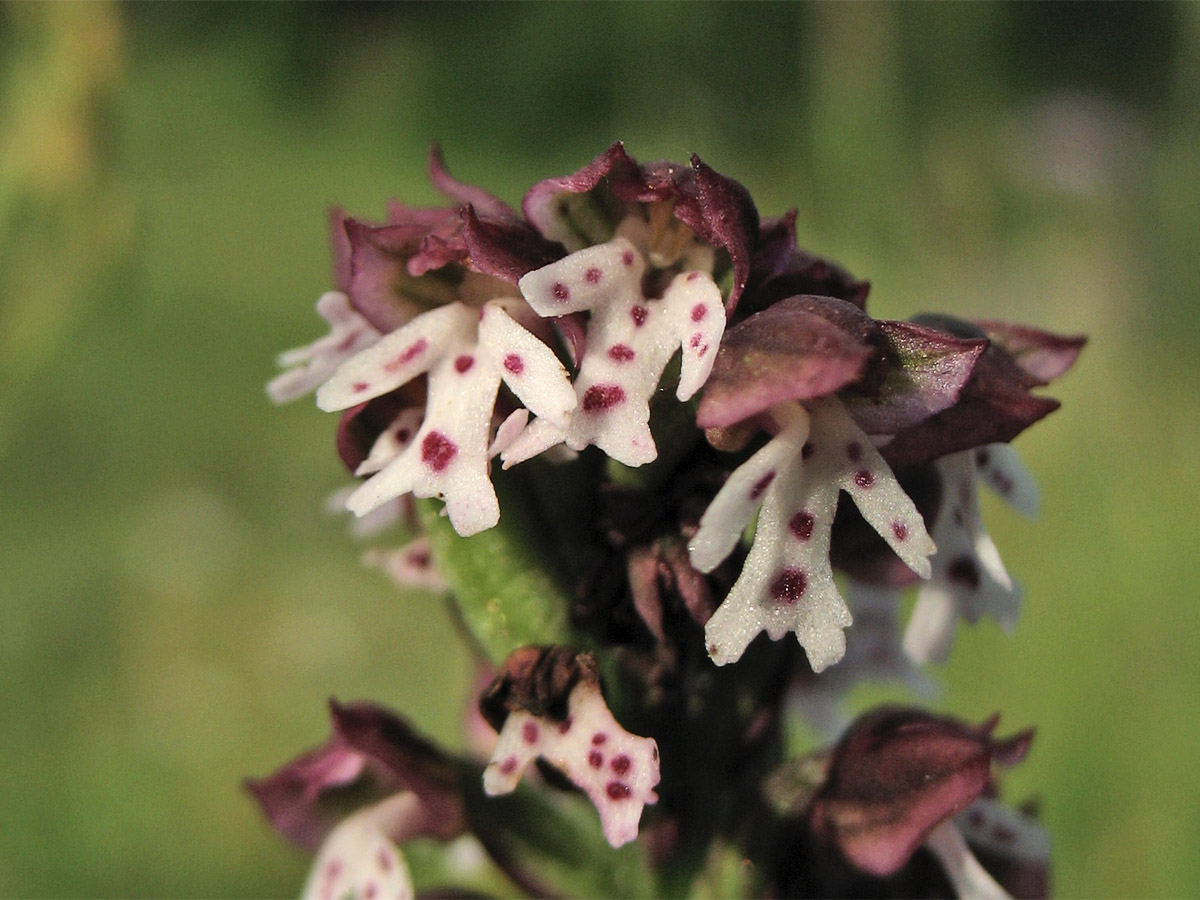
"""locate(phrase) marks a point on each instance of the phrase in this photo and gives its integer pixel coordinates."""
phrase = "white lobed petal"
(1001, 469)
(786, 583)
(630, 339)
(398, 357)
(448, 456)
(595, 276)
(968, 579)
(615, 769)
(392, 441)
(307, 367)
(970, 880)
(358, 859)
(527, 365)
(694, 304)
(730, 512)
(846, 453)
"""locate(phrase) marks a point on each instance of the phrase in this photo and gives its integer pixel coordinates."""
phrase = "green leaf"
(504, 580)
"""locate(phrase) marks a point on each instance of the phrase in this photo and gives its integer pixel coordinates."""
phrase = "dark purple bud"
(994, 406)
(896, 775)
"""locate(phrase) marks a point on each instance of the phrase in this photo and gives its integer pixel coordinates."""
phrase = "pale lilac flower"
(787, 580)
(968, 580)
(617, 770)
(309, 366)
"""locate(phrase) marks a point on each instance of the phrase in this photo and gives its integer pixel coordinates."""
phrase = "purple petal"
(465, 194)
(382, 287)
(791, 351)
(372, 752)
(895, 776)
(928, 369)
(541, 204)
(505, 247)
(722, 214)
(1044, 356)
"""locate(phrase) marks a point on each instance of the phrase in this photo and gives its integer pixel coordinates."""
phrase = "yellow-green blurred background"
(175, 607)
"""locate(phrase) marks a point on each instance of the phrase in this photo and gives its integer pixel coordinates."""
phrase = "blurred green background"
(175, 607)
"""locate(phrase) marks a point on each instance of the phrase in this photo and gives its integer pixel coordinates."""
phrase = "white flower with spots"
(308, 366)
(466, 352)
(630, 340)
(787, 582)
(359, 860)
(968, 579)
(617, 770)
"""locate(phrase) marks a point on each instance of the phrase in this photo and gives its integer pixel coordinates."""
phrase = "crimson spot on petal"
(407, 355)
(639, 314)
(696, 340)
(863, 478)
(621, 764)
(438, 451)
(560, 291)
(788, 586)
(599, 738)
(529, 731)
(565, 725)
(627, 258)
(699, 311)
(620, 353)
(617, 791)
(593, 275)
(899, 530)
(359, 386)
(463, 363)
(514, 363)
(602, 397)
(761, 485)
(801, 525)
(595, 759)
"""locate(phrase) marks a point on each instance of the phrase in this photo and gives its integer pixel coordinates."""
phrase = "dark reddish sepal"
(798, 349)
(927, 370)
(1040, 354)
(505, 247)
(372, 754)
